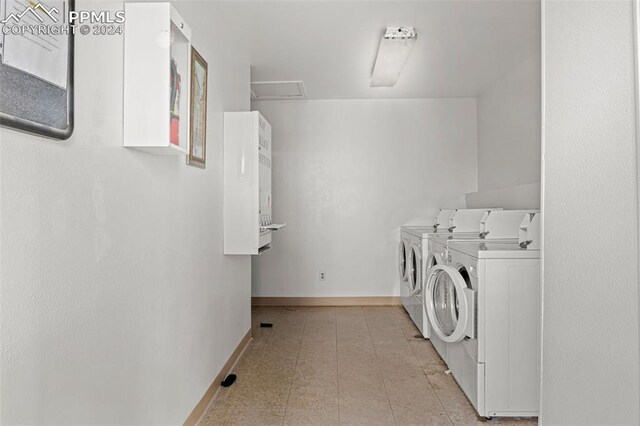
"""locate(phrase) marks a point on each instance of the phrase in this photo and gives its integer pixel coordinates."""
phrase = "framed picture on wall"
(198, 120)
(36, 71)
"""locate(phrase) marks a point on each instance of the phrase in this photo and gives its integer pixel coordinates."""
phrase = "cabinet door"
(264, 171)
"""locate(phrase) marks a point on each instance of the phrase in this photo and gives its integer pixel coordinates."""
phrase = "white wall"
(525, 196)
(509, 136)
(347, 174)
(509, 140)
(590, 313)
(509, 128)
(117, 304)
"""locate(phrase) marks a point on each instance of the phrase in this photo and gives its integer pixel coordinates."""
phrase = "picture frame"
(197, 155)
(29, 102)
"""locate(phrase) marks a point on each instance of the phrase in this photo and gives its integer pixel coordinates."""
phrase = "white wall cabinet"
(154, 35)
(247, 183)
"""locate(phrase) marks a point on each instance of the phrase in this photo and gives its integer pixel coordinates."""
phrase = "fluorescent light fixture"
(393, 53)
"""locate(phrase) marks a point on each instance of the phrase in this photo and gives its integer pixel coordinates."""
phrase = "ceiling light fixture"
(393, 53)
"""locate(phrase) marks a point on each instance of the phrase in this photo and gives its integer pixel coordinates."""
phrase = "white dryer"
(484, 305)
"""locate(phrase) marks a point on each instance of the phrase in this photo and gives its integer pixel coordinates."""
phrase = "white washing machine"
(463, 224)
(418, 259)
(495, 225)
(484, 305)
(403, 257)
(438, 252)
(403, 253)
(410, 269)
(410, 266)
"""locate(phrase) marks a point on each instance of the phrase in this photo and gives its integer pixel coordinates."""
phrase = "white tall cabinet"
(247, 183)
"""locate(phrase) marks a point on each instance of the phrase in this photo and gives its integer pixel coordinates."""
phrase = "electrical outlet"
(323, 276)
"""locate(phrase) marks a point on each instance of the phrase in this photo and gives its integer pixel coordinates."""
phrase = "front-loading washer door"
(434, 259)
(413, 270)
(450, 303)
(402, 261)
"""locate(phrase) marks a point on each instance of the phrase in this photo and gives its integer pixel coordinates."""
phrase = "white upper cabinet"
(157, 74)
(248, 219)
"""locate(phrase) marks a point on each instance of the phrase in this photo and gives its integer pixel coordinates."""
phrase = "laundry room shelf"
(157, 74)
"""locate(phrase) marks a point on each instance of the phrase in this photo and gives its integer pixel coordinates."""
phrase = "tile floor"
(351, 365)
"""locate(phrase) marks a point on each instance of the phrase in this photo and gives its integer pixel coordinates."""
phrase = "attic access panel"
(274, 90)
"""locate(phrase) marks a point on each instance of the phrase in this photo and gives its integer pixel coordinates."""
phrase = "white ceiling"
(462, 46)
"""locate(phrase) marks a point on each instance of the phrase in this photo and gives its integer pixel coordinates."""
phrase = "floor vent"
(275, 90)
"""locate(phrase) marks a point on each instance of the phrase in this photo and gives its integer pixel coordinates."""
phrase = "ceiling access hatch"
(277, 90)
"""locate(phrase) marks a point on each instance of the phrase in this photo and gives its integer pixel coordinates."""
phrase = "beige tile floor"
(351, 366)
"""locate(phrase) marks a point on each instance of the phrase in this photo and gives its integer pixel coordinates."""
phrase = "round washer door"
(413, 270)
(402, 260)
(445, 298)
(435, 258)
